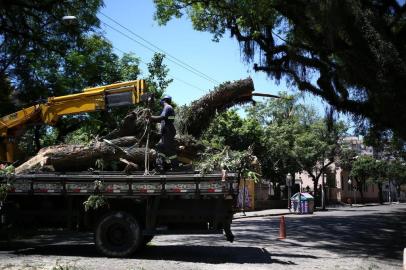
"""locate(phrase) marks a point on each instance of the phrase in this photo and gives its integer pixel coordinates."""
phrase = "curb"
(263, 215)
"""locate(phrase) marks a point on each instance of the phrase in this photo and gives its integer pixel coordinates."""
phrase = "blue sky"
(221, 61)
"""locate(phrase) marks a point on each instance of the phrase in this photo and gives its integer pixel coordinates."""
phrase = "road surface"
(345, 238)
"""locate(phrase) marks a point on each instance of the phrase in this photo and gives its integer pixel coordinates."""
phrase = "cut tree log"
(133, 124)
(196, 118)
(79, 157)
(130, 166)
(192, 119)
(126, 141)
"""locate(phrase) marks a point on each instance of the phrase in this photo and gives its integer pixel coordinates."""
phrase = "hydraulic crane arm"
(89, 100)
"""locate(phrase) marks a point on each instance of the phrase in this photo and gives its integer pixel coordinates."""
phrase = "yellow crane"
(89, 100)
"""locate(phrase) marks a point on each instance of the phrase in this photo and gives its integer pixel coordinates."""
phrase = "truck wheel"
(118, 235)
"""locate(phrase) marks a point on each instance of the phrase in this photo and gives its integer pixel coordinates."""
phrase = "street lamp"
(69, 19)
(353, 190)
(289, 184)
(349, 184)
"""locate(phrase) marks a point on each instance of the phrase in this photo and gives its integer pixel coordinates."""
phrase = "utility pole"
(289, 184)
(300, 195)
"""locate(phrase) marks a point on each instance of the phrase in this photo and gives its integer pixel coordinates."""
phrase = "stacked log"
(127, 142)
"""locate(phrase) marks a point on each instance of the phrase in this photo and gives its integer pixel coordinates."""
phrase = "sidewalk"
(282, 212)
(262, 213)
(344, 205)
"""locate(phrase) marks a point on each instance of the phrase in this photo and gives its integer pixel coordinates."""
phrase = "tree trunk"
(79, 157)
(317, 198)
(196, 118)
(127, 140)
(380, 195)
(360, 187)
(133, 124)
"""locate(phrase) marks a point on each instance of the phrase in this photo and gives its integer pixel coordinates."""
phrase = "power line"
(175, 60)
(169, 75)
(143, 45)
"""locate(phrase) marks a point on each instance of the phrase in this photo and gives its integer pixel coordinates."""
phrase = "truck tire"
(118, 235)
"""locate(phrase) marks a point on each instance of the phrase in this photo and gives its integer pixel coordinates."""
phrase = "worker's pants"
(166, 157)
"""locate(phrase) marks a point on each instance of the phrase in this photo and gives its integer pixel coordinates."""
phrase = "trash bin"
(304, 205)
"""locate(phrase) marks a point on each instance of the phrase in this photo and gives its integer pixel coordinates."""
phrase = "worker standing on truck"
(166, 149)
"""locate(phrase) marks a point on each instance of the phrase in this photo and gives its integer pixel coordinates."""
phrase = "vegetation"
(5, 172)
(363, 169)
(286, 136)
(34, 42)
(42, 55)
(96, 200)
(96, 64)
(242, 162)
(350, 53)
(368, 169)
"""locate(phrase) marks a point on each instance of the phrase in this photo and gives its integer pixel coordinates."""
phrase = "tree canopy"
(285, 135)
(33, 34)
(368, 169)
(351, 53)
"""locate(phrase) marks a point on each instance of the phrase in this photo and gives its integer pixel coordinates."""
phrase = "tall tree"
(33, 33)
(364, 168)
(36, 27)
(230, 129)
(351, 53)
(317, 146)
(158, 81)
(286, 136)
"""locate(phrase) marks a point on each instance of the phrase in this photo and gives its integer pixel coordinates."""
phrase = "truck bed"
(120, 184)
(137, 206)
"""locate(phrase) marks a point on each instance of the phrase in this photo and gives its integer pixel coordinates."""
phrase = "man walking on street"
(166, 157)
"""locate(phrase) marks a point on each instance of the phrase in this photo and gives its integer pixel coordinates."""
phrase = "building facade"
(339, 187)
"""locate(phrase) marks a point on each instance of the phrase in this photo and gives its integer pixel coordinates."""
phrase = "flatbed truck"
(137, 208)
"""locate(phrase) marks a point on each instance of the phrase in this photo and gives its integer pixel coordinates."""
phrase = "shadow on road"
(378, 235)
(211, 254)
(182, 253)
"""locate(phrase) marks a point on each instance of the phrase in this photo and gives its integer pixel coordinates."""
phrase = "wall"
(338, 189)
(246, 195)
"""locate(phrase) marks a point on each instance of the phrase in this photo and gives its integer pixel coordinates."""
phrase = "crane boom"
(89, 100)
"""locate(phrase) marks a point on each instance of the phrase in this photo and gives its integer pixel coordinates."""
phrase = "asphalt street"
(344, 238)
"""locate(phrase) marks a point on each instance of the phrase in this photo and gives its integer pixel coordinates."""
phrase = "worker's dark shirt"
(167, 123)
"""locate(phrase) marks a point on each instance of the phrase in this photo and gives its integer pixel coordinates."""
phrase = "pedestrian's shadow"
(182, 253)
